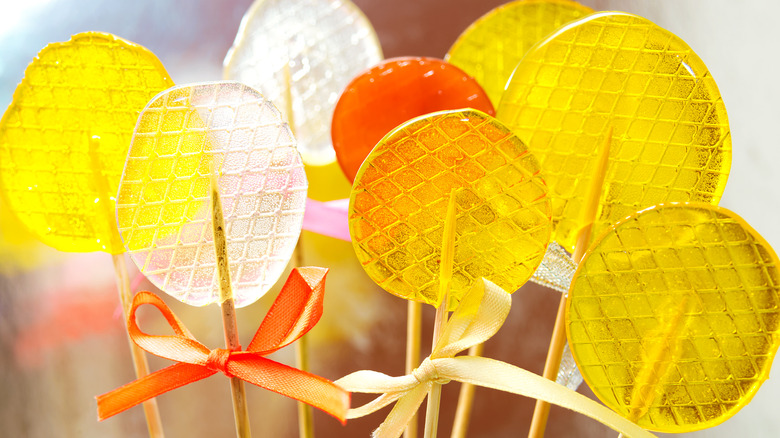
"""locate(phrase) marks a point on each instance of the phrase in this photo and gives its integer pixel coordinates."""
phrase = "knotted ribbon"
(294, 312)
(478, 317)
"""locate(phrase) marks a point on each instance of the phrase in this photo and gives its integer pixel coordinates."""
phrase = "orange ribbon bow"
(295, 311)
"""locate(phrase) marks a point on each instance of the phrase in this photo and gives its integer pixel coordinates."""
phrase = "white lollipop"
(163, 207)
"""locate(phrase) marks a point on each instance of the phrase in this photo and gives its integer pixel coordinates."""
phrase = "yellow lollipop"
(673, 316)
(491, 47)
(399, 202)
(64, 138)
(617, 71)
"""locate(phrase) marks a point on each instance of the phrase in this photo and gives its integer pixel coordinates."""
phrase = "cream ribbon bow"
(478, 317)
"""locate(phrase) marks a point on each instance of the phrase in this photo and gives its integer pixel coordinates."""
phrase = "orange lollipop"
(392, 92)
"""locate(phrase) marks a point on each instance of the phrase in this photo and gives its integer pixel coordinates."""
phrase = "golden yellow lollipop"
(614, 70)
(491, 47)
(399, 202)
(673, 316)
(64, 138)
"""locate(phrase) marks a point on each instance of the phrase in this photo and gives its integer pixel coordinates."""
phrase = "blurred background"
(62, 340)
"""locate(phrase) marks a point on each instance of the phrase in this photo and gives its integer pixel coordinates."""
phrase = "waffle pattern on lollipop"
(314, 46)
(673, 316)
(492, 46)
(164, 204)
(64, 138)
(400, 197)
(671, 137)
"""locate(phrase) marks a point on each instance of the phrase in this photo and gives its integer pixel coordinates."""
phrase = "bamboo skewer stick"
(558, 341)
(140, 364)
(465, 401)
(229, 325)
(413, 335)
(442, 312)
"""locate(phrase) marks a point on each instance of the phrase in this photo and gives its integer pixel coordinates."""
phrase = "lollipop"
(492, 46)
(673, 316)
(163, 206)
(301, 55)
(392, 92)
(617, 71)
(203, 238)
(63, 140)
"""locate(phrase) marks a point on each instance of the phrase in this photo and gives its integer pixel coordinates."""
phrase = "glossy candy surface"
(671, 140)
(164, 201)
(492, 46)
(394, 91)
(301, 55)
(673, 316)
(400, 196)
(64, 138)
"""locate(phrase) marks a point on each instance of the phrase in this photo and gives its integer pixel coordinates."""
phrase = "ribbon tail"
(498, 375)
(148, 387)
(374, 405)
(292, 382)
(402, 413)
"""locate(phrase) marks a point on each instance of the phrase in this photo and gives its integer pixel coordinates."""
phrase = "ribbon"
(477, 318)
(327, 218)
(294, 312)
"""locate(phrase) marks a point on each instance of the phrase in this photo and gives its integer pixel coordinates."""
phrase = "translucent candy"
(64, 138)
(301, 55)
(671, 138)
(492, 46)
(391, 93)
(673, 316)
(399, 200)
(164, 202)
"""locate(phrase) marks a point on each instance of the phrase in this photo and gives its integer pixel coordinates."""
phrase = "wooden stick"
(229, 325)
(140, 364)
(442, 312)
(305, 412)
(413, 335)
(465, 401)
(558, 341)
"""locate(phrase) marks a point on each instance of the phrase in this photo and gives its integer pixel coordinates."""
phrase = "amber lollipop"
(63, 141)
(673, 316)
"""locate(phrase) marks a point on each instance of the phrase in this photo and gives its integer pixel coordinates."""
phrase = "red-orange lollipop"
(391, 93)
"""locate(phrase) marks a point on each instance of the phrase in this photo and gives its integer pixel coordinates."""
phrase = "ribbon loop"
(303, 290)
(218, 359)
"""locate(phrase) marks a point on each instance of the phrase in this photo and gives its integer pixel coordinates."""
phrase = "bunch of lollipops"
(547, 128)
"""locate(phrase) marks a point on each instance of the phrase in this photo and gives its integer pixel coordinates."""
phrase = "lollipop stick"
(229, 324)
(558, 341)
(140, 365)
(413, 335)
(305, 413)
(445, 275)
(465, 400)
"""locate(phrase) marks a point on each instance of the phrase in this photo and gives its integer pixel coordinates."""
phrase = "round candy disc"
(64, 138)
(164, 201)
(400, 196)
(673, 316)
(391, 93)
(492, 46)
(617, 71)
(301, 55)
